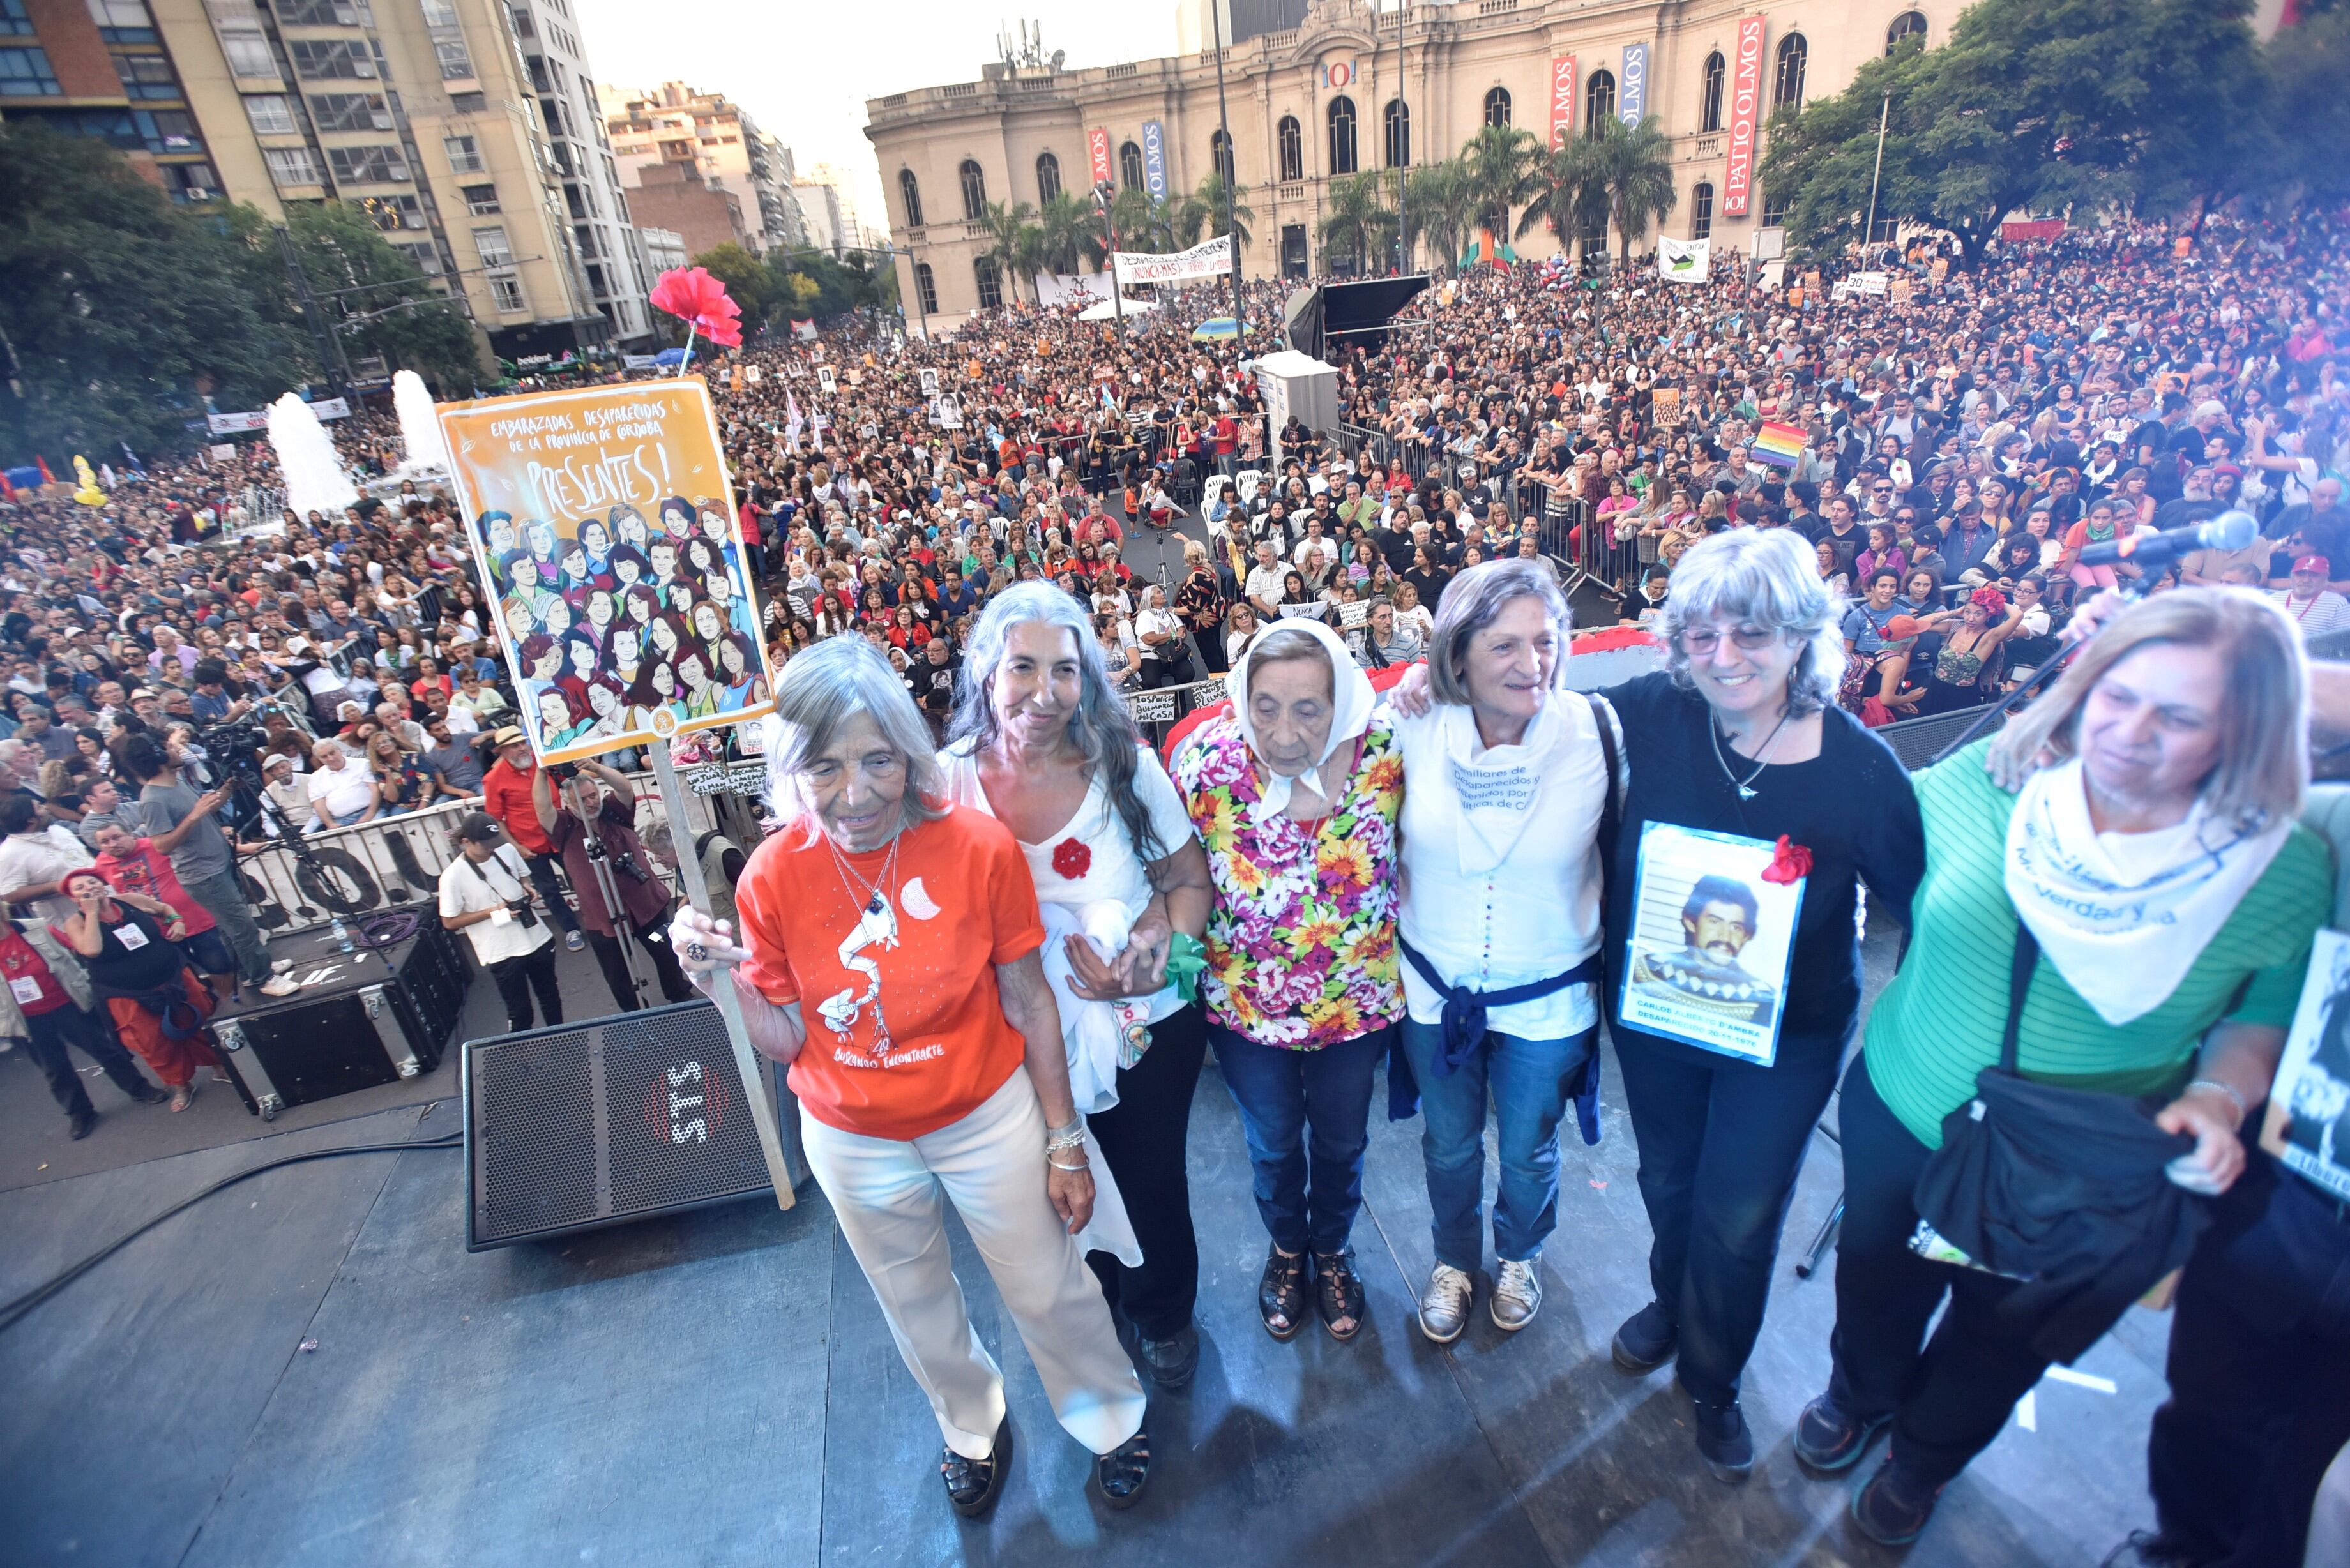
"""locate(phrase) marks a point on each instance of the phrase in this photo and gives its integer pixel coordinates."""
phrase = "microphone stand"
(2031, 684)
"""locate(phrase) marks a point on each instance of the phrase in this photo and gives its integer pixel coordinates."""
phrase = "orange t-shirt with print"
(906, 1032)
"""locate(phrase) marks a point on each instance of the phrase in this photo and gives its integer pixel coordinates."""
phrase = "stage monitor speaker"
(586, 1124)
(1358, 313)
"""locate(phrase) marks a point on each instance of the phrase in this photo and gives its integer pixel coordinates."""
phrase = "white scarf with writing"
(2124, 916)
(1494, 793)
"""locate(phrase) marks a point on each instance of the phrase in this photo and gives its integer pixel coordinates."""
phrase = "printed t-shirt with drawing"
(1302, 935)
(1090, 858)
(918, 973)
(1501, 861)
(146, 870)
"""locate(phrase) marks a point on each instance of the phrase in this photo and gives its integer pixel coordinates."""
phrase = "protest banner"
(1683, 261)
(605, 526)
(1208, 259)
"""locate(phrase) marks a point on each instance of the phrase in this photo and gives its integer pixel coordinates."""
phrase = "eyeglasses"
(1698, 642)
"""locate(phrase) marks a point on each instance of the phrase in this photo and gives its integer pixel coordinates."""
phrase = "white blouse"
(1104, 862)
(1501, 863)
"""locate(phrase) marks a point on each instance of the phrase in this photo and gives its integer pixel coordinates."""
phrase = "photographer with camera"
(485, 893)
(595, 794)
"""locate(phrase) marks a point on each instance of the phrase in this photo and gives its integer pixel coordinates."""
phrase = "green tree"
(1203, 209)
(1357, 224)
(122, 311)
(1014, 242)
(2309, 111)
(1634, 164)
(378, 298)
(750, 283)
(2157, 107)
(1569, 194)
(1062, 223)
(1439, 204)
(1502, 161)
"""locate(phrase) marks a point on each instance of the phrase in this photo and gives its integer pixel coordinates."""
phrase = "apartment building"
(720, 142)
(611, 258)
(100, 68)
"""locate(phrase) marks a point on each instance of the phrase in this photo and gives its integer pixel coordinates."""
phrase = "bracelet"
(1057, 1164)
(2242, 1110)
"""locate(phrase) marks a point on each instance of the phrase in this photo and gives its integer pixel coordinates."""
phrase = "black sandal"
(1338, 1291)
(1124, 1471)
(1281, 1294)
(972, 1485)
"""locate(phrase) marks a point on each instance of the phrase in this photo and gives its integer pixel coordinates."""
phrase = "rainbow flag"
(1778, 445)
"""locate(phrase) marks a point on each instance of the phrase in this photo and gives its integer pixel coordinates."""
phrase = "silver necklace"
(861, 891)
(1745, 786)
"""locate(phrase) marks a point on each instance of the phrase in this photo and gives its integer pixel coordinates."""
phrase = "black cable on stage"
(12, 1313)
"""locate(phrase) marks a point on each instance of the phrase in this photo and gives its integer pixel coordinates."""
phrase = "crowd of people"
(1017, 928)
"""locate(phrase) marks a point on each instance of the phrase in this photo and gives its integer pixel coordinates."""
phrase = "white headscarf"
(1351, 700)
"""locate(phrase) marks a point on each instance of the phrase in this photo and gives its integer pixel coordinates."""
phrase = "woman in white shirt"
(1161, 636)
(1504, 778)
(1042, 743)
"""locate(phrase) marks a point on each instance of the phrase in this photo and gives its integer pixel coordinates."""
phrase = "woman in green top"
(2153, 853)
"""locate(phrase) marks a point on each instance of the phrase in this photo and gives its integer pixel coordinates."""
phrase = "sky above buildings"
(804, 71)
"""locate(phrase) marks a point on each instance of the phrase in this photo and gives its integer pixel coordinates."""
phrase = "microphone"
(2228, 531)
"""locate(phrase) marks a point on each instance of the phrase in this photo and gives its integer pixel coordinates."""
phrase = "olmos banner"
(604, 523)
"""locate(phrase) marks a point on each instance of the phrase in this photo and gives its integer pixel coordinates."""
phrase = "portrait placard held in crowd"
(2308, 1125)
(604, 524)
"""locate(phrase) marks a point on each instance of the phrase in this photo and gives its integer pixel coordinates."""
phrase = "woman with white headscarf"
(1295, 797)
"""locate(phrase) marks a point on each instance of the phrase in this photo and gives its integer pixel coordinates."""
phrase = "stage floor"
(309, 1368)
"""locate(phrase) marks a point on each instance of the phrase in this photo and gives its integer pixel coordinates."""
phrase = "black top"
(1851, 807)
(147, 963)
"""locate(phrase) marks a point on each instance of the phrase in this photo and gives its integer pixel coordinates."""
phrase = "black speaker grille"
(581, 1126)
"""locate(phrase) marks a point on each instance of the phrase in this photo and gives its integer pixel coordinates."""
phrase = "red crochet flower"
(692, 295)
(1072, 858)
(1793, 862)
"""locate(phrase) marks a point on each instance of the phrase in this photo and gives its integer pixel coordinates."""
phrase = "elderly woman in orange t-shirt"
(890, 957)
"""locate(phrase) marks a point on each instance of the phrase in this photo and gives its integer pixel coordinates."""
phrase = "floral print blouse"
(1302, 936)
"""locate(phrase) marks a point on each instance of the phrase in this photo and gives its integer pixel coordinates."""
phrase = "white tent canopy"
(1108, 307)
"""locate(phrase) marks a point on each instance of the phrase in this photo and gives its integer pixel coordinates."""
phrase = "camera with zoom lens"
(626, 865)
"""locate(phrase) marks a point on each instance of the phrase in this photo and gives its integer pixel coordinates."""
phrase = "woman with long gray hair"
(890, 958)
(1728, 1025)
(1040, 741)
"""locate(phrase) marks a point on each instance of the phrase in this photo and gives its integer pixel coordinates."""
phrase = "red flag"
(42, 464)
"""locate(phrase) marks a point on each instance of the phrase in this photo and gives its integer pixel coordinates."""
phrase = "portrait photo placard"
(604, 524)
(2308, 1125)
(1711, 941)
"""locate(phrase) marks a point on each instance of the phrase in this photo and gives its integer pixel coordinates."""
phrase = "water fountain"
(313, 473)
(420, 429)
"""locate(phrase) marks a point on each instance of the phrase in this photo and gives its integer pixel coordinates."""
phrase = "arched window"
(1048, 178)
(1398, 133)
(1342, 135)
(1599, 101)
(975, 190)
(1709, 99)
(926, 288)
(1219, 157)
(1701, 209)
(1908, 25)
(991, 284)
(910, 190)
(1292, 149)
(1129, 166)
(1787, 85)
(1497, 107)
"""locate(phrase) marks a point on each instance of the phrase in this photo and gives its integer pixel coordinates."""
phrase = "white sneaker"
(280, 985)
(1444, 1305)
(1517, 1295)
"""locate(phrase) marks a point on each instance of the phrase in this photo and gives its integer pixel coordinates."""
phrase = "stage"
(309, 1368)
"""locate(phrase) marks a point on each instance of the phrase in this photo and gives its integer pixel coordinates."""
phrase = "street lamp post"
(1102, 201)
(1869, 234)
(1229, 176)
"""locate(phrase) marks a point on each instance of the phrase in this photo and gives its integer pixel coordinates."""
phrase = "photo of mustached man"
(1718, 919)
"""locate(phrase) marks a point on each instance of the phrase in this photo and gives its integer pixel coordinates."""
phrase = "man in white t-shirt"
(485, 893)
(2315, 608)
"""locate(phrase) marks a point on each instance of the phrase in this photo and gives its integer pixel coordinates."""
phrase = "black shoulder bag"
(2063, 1190)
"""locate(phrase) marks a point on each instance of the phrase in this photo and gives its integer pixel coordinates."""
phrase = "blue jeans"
(1308, 1189)
(1529, 1081)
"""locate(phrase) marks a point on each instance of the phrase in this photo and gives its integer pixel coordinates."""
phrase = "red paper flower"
(691, 294)
(1072, 858)
(1793, 862)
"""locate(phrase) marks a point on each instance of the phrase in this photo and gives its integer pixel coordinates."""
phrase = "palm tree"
(1014, 242)
(1440, 202)
(1568, 191)
(1357, 225)
(1500, 161)
(1635, 164)
(1061, 231)
(1204, 209)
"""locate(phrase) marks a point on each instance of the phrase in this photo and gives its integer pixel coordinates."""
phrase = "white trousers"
(889, 1198)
